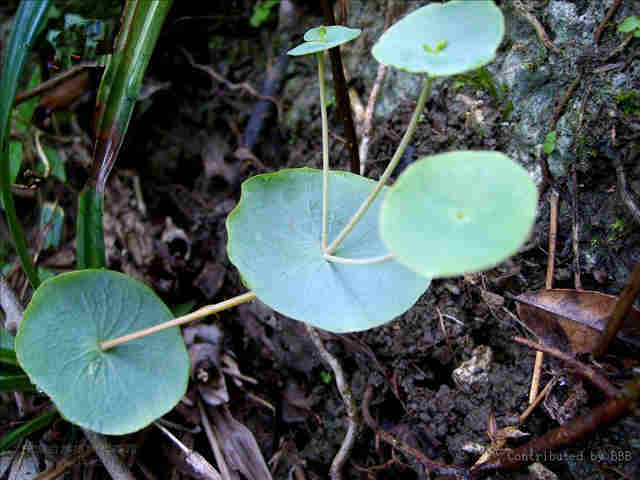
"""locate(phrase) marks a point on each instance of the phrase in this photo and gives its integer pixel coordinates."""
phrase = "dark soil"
(180, 147)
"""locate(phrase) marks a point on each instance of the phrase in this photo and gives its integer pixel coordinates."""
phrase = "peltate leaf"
(112, 392)
(274, 241)
(458, 212)
(323, 38)
(443, 39)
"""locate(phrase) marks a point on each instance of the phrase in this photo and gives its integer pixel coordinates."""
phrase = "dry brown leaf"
(239, 446)
(573, 319)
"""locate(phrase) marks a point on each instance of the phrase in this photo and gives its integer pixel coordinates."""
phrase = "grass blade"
(16, 383)
(117, 96)
(28, 21)
(28, 428)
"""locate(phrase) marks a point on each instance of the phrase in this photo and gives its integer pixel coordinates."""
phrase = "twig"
(53, 82)
(607, 17)
(529, 17)
(553, 231)
(623, 306)
(335, 472)
(431, 465)
(583, 370)
(232, 86)
(107, 454)
(537, 400)
(64, 465)
(563, 101)
(340, 87)
(625, 196)
(574, 431)
(368, 115)
(576, 227)
(199, 466)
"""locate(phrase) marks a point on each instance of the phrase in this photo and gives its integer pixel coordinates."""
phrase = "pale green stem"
(325, 149)
(200, 313)
(359, 261)
(422, 100)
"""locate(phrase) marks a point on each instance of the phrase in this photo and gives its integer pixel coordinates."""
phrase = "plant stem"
(325, 149)
(422, 100)
(359, 261)
(200, 313)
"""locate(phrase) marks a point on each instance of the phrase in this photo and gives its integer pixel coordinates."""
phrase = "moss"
(628, 102)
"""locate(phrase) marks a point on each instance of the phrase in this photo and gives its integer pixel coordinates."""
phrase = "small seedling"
(330, 248)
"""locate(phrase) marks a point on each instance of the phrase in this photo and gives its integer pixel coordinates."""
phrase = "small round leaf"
(114, 392)
(274, 241)
(323, 38)
(443, 39)
(458, 212)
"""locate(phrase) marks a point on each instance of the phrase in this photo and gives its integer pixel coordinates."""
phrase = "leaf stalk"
(198, 314)
(422, 100)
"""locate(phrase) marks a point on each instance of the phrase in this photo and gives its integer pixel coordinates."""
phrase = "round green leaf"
(114, 392)
(274, 241)
(458, 212)
(443, 39)
(323, 38)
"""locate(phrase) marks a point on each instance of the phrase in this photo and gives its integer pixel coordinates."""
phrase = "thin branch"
(622, 309)
(368, 115)
(430, 465)
(340, 87)
(583, 370)
(537, 400)
(626, 197)
(230, 85)
(568, 434)
(604, 22)
(344, 388)
(53, 82)
(553, 232)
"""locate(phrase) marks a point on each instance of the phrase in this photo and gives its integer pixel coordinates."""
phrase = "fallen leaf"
(573, 319)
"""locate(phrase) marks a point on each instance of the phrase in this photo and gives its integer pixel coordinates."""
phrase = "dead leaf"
(296, 405)
(205, 363)
(239, 446)
(573, 319)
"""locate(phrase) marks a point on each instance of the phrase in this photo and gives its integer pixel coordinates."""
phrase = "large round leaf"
(274, 241)
(443, 39)
(458, 212)
(114, 392)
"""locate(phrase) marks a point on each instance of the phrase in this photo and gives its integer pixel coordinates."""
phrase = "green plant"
(631, 25)
(550, 142)
(262, 12)
(628, 102)
(330, 248)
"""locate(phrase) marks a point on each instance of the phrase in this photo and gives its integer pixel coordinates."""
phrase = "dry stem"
(335, 471)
